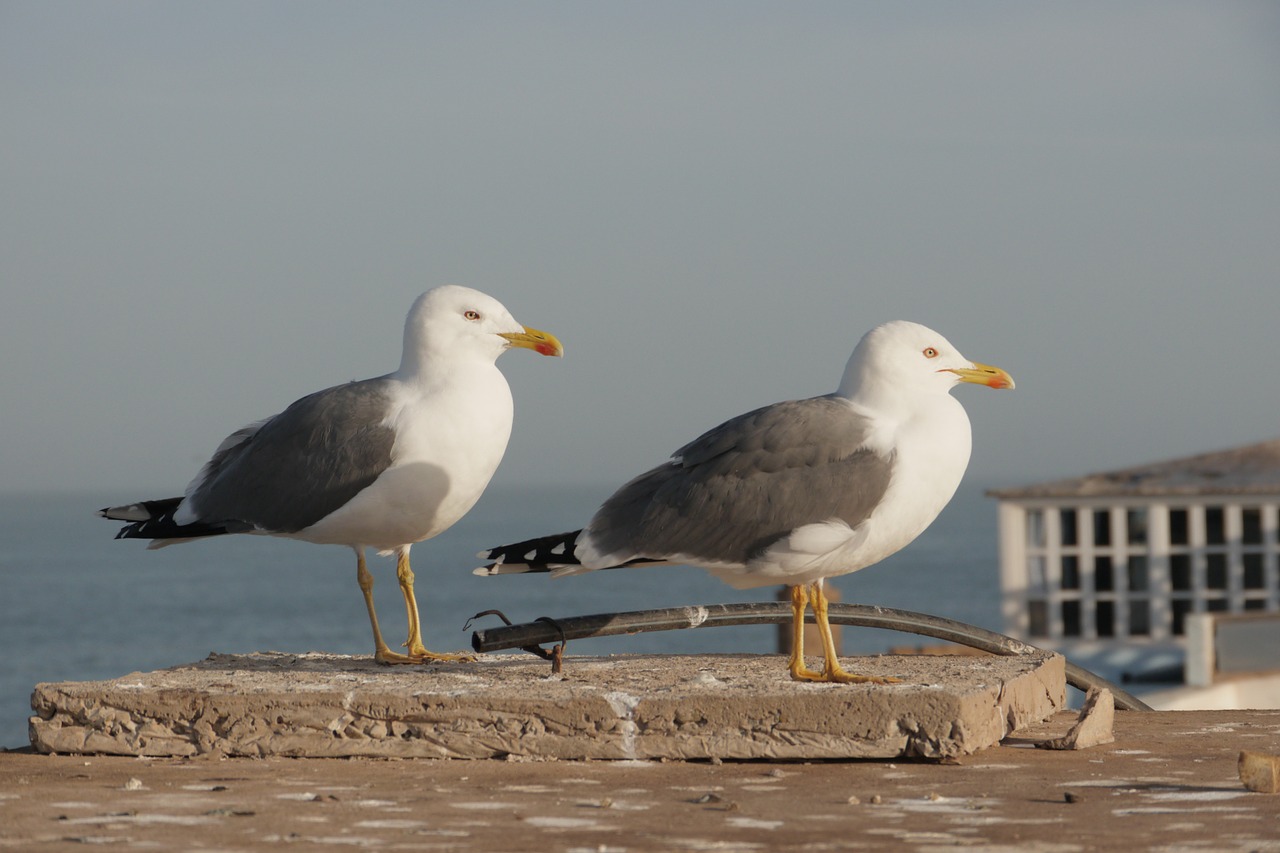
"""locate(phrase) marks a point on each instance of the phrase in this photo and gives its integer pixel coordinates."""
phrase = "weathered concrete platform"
(620, 707)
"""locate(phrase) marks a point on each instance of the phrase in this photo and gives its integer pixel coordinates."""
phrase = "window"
(1179, 530)
(1067, 521)
(1101, 527)
(1070, 572)
(1035, 528)
(1254, 576)
(1180, 572)
(1105, 614)
(1181, 607)
(1215, 528)
(1135, 522)
(1251, 525)
(1037, 579)
(1071, 618)
(1038, 611)
(1215, 576)
(1139, 617)
(1103, 576)
(1139, 577)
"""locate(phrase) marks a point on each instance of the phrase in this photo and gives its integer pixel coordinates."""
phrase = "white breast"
(449, 441)
(932, 455)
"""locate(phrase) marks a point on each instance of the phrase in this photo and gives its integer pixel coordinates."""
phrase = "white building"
(1107, 567)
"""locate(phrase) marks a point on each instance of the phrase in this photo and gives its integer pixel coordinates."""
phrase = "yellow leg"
(831, 670)
(417, 652)
(381, 653)
(799, 600)
(404, 575)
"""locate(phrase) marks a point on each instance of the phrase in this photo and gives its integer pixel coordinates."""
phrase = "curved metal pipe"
(766, 613)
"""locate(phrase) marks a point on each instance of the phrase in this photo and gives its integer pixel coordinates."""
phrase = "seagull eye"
(930, 352)
(471, 315)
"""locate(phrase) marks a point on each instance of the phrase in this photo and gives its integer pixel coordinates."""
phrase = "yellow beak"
(983, 374)
(543, 343)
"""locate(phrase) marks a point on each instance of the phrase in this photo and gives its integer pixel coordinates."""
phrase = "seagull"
(379, 463)
(796, 492)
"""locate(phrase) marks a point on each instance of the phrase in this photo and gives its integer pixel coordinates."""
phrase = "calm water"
(76, 605)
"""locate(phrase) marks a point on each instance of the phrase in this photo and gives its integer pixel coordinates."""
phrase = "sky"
(211, 209)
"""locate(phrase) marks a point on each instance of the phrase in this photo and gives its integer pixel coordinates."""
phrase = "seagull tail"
(154, 520)
(543, 554)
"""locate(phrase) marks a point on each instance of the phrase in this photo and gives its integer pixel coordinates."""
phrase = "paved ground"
(1169, 783)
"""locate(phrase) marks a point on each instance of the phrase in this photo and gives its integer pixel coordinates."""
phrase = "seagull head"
(452, 321)
(903, 358)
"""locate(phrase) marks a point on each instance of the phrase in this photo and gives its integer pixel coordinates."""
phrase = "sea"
(76, 605)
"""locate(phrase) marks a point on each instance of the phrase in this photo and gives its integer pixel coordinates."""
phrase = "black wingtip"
(155, 520)
(542, 554)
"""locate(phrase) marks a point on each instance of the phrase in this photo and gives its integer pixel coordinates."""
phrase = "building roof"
(1250, 470)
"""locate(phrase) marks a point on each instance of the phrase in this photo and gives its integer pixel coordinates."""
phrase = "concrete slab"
(617, 707)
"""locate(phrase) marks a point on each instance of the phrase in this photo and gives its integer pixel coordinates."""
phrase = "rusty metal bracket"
(555, 654)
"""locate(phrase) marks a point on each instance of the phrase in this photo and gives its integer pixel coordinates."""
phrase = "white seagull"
(380, 463)
(796, 492)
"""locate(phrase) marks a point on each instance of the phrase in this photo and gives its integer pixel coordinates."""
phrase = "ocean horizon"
(78, 606)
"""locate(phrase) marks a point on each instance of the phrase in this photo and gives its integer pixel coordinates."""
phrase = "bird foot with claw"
(421, 655)
(841, 677)
(386, 657)
(836, 675)
(418, 656)
(802, 673)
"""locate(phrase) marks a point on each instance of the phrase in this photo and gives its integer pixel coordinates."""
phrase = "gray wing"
(738, 489)
(292, 470)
